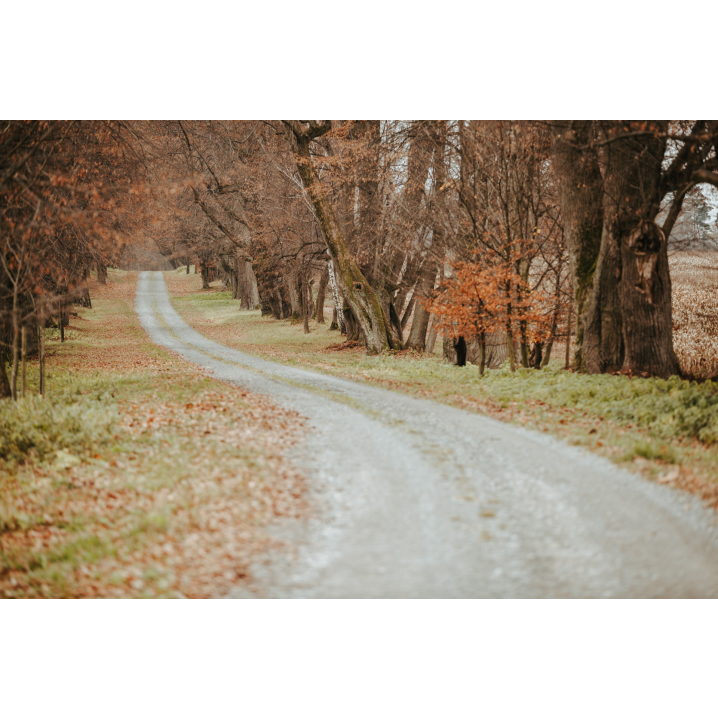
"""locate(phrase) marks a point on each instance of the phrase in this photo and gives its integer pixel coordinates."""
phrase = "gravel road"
(416, 499)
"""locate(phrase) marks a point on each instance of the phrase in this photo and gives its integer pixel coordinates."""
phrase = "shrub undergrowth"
(43, 426)
(669, 408)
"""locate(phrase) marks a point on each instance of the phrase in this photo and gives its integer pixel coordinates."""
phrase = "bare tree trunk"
(41, 351)
(568, 339)
(593, 262)
(357, 291)
(243, 284)
(235, 279)
(427, 276)
(305, 288)
(294, 288)
(554, 321)
(524, 348)
(321, 292)
(23, 333)
(482, 353)
(431, 339)
(15, 347)
(631, 203)
(252, 286)
(510, 347)
(61, 318)
(409, 309)
(247, 284)
(204, 269)
(338, 314)
(101, 273)
(549, 345)
(85, 300)
(420, 323)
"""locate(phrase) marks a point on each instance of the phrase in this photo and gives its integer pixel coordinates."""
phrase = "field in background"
(694, 279)
(666, 430)
(137, 475)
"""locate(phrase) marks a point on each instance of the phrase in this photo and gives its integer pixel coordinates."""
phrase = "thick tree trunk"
(431, 339)
(423, 290)
(205, 275)
(358, 293)
(247, 289)
(409, 309)
(101, 273)
(275, 302)
(351, 326)
(631, 203)
(645, 292)
(623, 296)
(580, 184)
(294, 287)
(321, 292)
(338, 318)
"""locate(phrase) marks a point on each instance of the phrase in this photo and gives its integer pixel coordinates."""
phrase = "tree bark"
(5, 390)
(15, 347)
(423, 290)
(622, 285)
(41, 351)
(23, 353)
(101, 273)
(357, 291)
(338, 314)
(631, 203)
(306, 288)
(204, 269)
(431, 339)
(427, 276)
(321, 292)
(580, 187)
(294, 288)
(482, 353)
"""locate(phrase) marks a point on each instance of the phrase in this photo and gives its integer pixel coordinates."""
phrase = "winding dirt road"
(417, 499)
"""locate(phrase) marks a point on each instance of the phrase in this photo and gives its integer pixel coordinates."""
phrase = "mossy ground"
(665, 429)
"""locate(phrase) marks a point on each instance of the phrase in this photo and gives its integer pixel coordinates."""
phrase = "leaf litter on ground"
(172, 498)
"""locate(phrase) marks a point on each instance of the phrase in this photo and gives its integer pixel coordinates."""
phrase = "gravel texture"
(417, 499)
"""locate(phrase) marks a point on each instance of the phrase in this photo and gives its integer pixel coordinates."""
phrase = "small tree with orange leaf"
(481, 299)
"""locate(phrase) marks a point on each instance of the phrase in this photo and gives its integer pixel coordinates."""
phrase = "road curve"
(417, 499)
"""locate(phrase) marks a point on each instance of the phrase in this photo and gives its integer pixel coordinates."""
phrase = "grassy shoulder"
(668, 430)
(137, 475)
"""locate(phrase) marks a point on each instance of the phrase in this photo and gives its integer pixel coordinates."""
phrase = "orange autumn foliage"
(479, 299)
